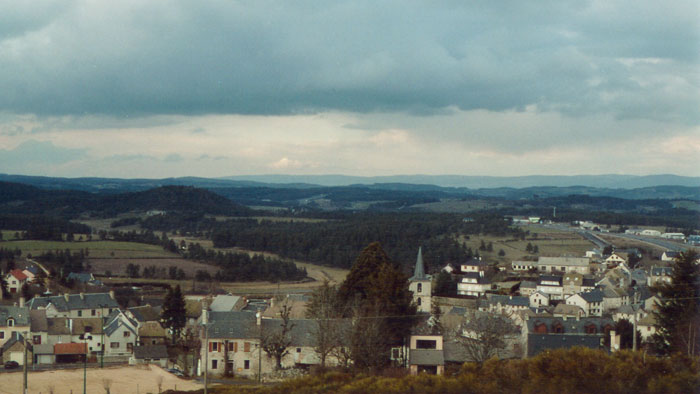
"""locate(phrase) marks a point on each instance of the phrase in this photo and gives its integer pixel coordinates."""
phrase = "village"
(532, 306)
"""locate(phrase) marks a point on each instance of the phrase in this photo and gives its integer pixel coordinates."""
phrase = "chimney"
(614, 341)
(65, 295)
(258, 318)
(82, 296)
(111, 294)
(21, 302)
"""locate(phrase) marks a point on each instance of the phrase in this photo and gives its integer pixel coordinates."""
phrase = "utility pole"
(85, 364)
(634, 331)
(259, 319)
(24, 367)
(102, 341)
(206, 345)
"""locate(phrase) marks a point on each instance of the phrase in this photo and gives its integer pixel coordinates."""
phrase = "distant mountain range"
(246, 189)
(481, 182)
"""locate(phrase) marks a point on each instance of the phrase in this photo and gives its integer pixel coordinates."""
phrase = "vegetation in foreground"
(576, 370)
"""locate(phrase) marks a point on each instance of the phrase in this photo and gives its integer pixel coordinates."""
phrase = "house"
(650, 233)
(547, 333)
(147, 319)
(29, 274)
(629, 313)
(669, 255)
(573, 283)
(85, 278)
(538, 299)
(474, 265)
(522, 265)
(13, 349)
(426, 354)
(473, 284)
(591, 302)
(76, 305)
(552, 286)
(39, 327)
(614, 297)
(13, 319)
(88, 331)
(564, 264)
(528, 287)
(420, 285)
(448, 268)
(230, 343)
(121, 335)
(647, 327)
(676, 236)
(15, 280)
(614, 259)
(659, 275)
(150, 354)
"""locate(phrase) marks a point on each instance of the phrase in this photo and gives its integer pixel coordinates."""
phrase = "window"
(10, 322)
(395, 352)
(418, 301)
(2, 334)
(214, 364)
(93, 312)
(126, 334)
(88, 329)
(130, 347)
(298, 350)
(246, 364)
(36, 339)
(80, 313)
(426, 344)
(420, 287)
(114, 345)
(213, 346)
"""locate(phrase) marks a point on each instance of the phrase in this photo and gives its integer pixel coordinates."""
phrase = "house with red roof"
(15, 279)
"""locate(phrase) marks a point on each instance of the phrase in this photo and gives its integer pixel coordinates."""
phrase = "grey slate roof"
(16, 337)
(570, 325)
(528, 284)
(659, 271)
(44, 348)
(419, 271)
(237, 325)
(39, 323)
(426, 357)
(538, 343)
(549, 278)
(151, 351)
(114, 322)
(82, 277)
(509, 300)
(58, 326)
(592, 296)
(19, 314)
(224, 303)
(145, 313)
(75, 301)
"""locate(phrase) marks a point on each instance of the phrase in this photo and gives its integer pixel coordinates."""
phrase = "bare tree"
(324, 309)
(276, 342)
(484, 335)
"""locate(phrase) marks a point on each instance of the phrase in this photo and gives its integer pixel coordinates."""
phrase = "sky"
(159, 88)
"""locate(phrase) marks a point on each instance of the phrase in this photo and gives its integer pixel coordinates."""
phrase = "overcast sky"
(216, 88)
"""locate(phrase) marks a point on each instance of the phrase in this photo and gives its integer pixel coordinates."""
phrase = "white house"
(474, 265)
(15, 280)
(669, 255)
(676, 236)
(614, 259)
(651, 233)
(539, 299)
(564, 264)
(552, 286)
(521, 265)
(473, 284)
(591, 302)
(658, 275)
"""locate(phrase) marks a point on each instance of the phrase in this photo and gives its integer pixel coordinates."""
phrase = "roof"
(20, 315)
(224, 303)
(549, 278)
(58, 326)
(75, 301)
(145, 313)
(151, 351)
(564, 261)
(538, 343)
(592, 296)
(14, 338)
(528, 284)
(92, 325)
(566, 309)
(419, 271)
(152, 329)
(571, 325)
(454, 351)
(39, 323)
(238, 325)
(509, 300)
(17, 273)
(426, 357)
(661, 271)
(193, 309)
(70, 348)
(43, 348)
(82, 277)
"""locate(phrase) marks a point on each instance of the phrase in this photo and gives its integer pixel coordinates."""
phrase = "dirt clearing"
(122, 380)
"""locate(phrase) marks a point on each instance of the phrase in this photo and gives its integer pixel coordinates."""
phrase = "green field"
(97, 249)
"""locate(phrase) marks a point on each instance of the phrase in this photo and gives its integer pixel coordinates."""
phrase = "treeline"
(576, 370)
(337, 242)
(241, 267)
(63, 262)
(42, 227)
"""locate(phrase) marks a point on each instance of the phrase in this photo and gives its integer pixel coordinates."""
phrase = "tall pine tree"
(174, 316)
(678, 315)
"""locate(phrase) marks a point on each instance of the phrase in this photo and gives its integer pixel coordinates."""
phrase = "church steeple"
(419, 272)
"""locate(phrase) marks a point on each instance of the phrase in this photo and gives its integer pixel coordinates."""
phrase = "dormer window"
(10, 322)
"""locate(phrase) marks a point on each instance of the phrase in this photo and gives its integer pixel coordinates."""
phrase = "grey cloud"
(302, 57)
